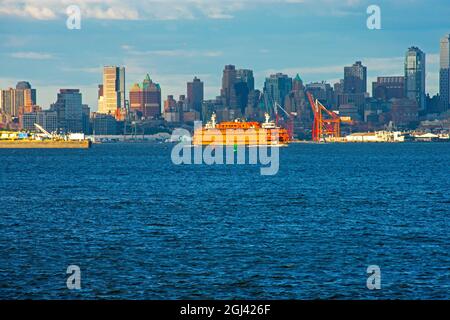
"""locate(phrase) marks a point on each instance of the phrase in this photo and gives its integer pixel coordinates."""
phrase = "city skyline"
(174, 51)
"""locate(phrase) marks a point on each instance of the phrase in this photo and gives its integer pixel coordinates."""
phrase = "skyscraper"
(276, 88)
(444, 74)
(228, 81)
(246, 76)
(195, 94)
(415, 76)
(11, 100)
(355, 78)
(70, 110)
(145, 98)
(113, 92)
(296, 104)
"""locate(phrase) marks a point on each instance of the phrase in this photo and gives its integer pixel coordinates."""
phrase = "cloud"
(31, 55)
(152, 9)
(121, 10)
(27, 9)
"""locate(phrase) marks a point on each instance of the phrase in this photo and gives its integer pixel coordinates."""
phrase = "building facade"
(12, 99)
(415, 76)
(145, 99)
(321, 91)
(71, 112)
(195, 94)
(444, 74)
(386, 88)
(355, 78)
(104, 124)
(112, 98)
(276, 88)
(47, 119)
(228, 92)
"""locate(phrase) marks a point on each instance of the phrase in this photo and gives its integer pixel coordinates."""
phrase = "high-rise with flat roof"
(195, 94)
(228, 81)
(70, 111)
(113, 91)
(386, 88)
(444, 74)
(355, 78)
(415, 76)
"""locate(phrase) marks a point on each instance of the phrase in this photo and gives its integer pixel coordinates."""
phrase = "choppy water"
(140, 227)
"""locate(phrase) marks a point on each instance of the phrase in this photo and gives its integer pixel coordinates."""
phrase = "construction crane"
(327, 124)
(290, 122)
(45, 132)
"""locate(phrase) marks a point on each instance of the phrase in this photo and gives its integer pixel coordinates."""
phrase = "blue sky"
(175, 40)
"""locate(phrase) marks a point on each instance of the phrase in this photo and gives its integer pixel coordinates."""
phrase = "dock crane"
(326, 123)
(290, 122)
(45, 132)
(276, 106)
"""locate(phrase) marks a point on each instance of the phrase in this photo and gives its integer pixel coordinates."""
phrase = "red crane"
(326, 123)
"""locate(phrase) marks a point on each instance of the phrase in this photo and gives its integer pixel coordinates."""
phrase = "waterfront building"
(386, 88)
(145, 98)
(350, 110)
(415, 76)
(404, 112)
(47, 119)
(71, 112)
(112, 92)
(104, 124)
(444, 74)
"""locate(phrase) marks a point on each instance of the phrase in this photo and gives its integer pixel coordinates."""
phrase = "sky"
(175, 40)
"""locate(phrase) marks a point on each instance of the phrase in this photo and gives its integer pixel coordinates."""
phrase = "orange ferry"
(240, 132)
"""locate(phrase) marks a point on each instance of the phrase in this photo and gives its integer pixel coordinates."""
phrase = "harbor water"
(140, 227)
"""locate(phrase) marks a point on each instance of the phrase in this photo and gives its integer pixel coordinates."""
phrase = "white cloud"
(27, 9)
(31, 55)
(150, 9)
